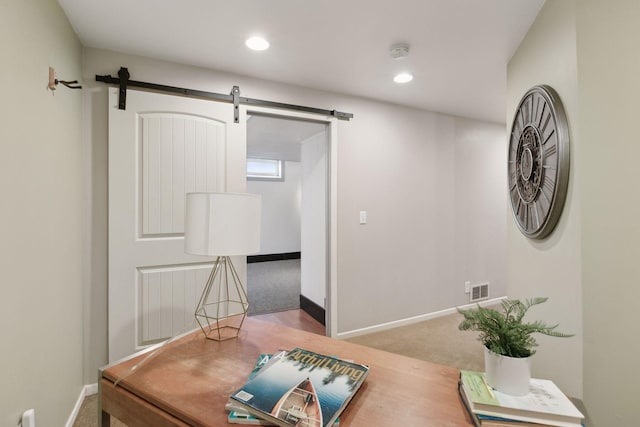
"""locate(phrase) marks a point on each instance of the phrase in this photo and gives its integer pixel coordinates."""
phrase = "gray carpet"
(273, 286)
(437, 340)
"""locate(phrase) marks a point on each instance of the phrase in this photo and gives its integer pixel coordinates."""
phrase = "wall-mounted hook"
(53, 81)
(73, 84)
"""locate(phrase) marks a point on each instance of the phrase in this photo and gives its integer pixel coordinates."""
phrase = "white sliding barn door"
(160, 148)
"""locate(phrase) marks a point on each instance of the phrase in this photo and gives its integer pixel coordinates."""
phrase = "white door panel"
(167, 299)
(160, 148)
(180, 154)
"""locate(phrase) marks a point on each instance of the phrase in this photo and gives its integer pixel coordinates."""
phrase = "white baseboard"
(412, 320)
(90, 389)
(87, 390)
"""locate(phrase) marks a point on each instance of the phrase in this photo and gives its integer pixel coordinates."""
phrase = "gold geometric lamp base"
(222, 225)
(223, 305)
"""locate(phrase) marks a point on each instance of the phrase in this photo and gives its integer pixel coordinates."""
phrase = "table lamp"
(222, 225)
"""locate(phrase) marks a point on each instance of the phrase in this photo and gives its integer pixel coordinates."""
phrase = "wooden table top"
(189, 380)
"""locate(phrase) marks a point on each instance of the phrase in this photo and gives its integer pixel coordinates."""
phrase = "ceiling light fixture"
(403, 78)
(257, 43)
(399, 50)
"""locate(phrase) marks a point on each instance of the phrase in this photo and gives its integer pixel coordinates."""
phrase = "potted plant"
(508, 342)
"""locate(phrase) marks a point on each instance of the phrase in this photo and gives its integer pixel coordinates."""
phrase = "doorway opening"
(288, 161)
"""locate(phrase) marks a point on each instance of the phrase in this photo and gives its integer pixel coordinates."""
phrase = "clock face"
(538, 162)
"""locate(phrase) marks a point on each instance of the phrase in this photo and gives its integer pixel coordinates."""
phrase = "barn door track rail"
(234, 97)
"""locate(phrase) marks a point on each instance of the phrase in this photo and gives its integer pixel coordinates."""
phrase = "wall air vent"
(479, 292)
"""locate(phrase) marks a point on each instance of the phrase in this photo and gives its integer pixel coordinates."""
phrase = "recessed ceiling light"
(257, 43)
(403, 78)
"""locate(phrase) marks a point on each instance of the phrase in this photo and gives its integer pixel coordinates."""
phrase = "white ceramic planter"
(510, 375)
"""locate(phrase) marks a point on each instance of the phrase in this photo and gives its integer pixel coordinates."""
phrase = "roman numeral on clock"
(550, 151)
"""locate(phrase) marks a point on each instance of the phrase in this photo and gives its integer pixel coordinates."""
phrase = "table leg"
(105, 419)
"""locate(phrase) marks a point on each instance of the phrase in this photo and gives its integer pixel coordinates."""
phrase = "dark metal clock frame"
(538, 163)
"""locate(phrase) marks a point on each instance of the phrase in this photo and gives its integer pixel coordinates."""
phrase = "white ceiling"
(278, 138)
(459, 48)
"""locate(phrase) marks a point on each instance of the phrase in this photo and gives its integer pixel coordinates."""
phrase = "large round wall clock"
(538, 162)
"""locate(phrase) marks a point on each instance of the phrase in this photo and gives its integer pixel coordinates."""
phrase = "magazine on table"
(304, 388)
(237, 414)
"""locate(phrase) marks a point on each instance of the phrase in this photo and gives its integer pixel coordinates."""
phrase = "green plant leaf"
(504, 332)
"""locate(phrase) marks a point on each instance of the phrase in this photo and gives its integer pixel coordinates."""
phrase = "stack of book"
(296, 388)
(545, 405)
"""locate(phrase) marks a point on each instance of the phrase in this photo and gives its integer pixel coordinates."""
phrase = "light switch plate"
(363, 217)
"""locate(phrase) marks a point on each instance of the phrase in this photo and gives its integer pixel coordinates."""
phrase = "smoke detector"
(399, 50)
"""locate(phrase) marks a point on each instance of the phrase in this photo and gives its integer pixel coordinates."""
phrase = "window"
(265, 169)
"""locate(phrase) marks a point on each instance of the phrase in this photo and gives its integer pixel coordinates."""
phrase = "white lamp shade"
(222, 224)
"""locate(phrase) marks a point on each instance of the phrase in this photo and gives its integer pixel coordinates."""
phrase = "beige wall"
(41, 219)
(551, 267)
(427, 231)
(587, 50)
(608, 77)
(408, 169)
